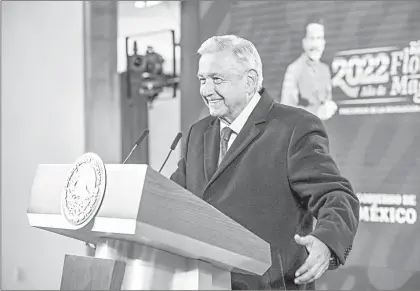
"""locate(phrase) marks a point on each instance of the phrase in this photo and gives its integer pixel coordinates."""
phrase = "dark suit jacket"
(275, 177)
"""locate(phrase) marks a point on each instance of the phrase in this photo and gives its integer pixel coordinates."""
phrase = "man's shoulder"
(203, 123)
(290, 115)
(295, 65)
(287, 112)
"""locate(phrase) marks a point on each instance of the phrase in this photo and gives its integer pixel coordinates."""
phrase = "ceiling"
(163, 9)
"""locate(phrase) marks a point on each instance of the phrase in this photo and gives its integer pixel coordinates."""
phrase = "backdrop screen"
(372, 64)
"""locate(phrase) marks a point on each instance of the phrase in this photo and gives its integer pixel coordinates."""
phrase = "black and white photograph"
(210, 145)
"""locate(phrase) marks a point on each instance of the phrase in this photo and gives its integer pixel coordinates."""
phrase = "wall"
(164, 115)
(41, 122)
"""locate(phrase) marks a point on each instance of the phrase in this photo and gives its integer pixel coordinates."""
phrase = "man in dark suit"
(267, 166)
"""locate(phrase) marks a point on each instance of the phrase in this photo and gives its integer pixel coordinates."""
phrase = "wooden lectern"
(149, 233)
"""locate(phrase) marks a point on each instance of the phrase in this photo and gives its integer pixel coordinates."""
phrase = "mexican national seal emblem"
(84, 190)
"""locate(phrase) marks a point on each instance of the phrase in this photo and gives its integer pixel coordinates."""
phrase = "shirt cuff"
(334, 262)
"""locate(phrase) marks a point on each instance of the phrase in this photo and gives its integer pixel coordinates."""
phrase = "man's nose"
(317, 41)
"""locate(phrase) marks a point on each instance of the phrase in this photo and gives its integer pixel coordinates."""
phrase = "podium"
(149, 233)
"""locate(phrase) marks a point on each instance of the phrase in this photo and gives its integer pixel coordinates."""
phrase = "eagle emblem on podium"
(84, 190)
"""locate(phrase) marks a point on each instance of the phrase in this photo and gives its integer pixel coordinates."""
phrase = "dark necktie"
(224, 140)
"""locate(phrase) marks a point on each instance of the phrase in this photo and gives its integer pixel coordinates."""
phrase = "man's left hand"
(316, 263)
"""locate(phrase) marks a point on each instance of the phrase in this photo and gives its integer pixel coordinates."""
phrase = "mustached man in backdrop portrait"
(307, 81)
(268, 167)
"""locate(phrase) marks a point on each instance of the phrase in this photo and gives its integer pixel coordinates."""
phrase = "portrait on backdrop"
(307, 81)
(267, 166)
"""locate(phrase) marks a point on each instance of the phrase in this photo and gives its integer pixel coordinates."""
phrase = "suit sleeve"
(316, 179)
(179, 176)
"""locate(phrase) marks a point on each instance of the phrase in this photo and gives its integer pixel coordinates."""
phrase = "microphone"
(173, 146)
(139, 140)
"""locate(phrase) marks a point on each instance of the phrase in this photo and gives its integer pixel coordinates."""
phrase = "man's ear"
(251, 80)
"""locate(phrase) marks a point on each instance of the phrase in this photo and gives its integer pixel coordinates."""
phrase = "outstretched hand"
(316, 263)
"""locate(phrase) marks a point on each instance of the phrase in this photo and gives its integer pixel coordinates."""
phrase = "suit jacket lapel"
(248, 133)
(211, 148)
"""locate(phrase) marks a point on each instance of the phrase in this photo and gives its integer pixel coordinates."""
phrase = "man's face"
(314, 41)
(223, 85)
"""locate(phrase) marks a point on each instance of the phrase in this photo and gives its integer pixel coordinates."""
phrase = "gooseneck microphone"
(173, 146)
(139, 140)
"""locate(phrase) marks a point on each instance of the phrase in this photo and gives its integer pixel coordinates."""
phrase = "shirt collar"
(310, 63)
(242, 118)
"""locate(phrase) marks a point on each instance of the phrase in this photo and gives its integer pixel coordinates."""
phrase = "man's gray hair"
(243, 50)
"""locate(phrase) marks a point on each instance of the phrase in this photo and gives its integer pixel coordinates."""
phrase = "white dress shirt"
(237, 125)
